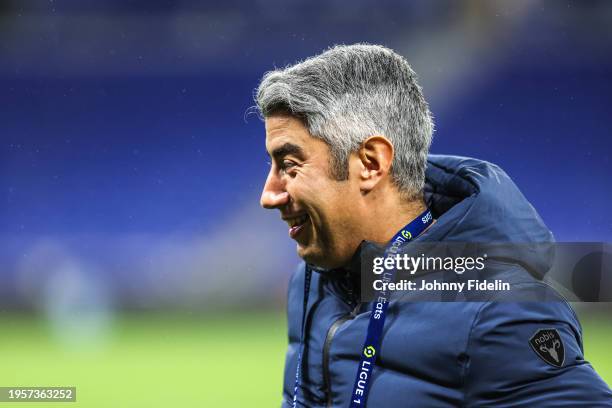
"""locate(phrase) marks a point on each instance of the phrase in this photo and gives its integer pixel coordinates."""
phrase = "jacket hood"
(476, 201)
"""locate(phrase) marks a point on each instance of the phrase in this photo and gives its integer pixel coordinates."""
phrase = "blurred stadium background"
(135, 263)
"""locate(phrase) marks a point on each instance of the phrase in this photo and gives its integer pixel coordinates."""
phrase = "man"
(348, 134)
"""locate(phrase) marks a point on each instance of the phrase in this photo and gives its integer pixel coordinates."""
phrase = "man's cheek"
(310, 196)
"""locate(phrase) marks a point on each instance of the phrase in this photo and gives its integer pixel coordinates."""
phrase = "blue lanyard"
(379, 312)
(377, 318)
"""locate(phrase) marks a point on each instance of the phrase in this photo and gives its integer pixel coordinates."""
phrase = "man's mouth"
(296, 224)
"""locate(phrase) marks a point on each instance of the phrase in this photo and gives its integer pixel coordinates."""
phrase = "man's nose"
(273, 194)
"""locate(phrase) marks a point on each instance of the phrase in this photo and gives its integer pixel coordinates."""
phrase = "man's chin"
(316, 257)
(311, 255)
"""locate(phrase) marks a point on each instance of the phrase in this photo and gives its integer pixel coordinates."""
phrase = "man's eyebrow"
(287, 149)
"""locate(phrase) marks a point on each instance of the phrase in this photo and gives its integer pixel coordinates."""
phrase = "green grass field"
(153, 361)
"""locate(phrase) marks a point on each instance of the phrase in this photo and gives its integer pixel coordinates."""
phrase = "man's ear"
(375, 158)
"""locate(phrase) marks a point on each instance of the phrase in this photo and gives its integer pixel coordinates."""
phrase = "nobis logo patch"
(548, 345)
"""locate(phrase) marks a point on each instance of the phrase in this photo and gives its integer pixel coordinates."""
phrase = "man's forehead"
(285, 129)
(284, 123)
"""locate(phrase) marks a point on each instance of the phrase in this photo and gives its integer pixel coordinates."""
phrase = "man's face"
(315, 206)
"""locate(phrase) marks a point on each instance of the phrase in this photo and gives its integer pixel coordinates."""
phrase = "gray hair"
(351, 92)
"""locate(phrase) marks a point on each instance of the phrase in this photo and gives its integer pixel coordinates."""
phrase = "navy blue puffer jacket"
(446, 354)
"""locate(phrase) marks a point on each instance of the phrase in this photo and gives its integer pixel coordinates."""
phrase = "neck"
(389, 217)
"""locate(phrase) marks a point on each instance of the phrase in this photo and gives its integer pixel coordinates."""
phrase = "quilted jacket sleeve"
(530, 354)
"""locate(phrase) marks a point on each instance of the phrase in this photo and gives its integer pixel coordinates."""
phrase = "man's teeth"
(298, 220)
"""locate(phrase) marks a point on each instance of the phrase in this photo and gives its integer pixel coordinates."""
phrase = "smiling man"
(348, 134)
(330, 211)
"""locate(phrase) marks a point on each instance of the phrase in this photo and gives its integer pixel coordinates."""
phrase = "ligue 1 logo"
(548, 346)
(406, 234)
(369, 351)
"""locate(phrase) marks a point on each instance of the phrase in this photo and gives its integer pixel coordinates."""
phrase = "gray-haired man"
(348, 132)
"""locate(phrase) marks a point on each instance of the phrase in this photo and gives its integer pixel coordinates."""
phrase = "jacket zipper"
(331, 332)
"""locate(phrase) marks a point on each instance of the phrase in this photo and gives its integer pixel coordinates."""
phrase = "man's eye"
(287, 164)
